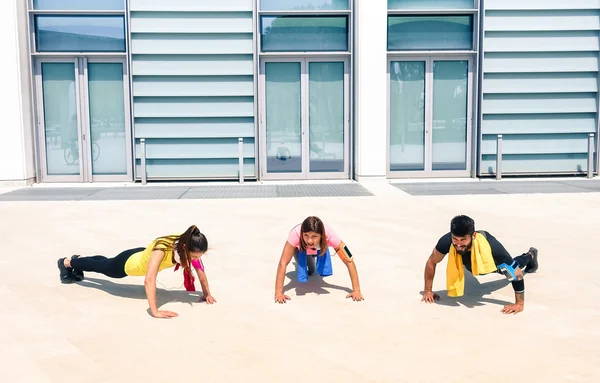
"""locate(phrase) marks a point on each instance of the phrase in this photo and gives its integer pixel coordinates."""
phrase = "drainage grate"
(179, 192)
(501, 187)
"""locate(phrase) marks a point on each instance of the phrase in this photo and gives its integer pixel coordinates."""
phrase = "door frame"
(428, 172)
(83, 122)
(304, 62)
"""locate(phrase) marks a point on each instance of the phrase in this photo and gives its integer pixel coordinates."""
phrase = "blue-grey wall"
(540, 84)
(193, 87)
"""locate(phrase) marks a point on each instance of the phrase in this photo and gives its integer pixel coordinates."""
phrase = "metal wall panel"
(193, 87)
(540, 85)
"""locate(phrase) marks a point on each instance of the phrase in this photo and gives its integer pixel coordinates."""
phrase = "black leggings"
(111, 267)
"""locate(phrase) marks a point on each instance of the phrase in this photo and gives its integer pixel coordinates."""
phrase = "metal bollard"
(590, 164)
(499, 157)
(143, 160)
(241, 159)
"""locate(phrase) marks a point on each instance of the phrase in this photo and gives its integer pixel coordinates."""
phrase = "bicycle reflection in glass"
(71, 152)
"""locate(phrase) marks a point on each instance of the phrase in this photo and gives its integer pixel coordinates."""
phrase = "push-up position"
(309, 244)
(480, 253)
(183, 250)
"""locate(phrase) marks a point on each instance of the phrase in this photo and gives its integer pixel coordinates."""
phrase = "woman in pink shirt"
(305, 243)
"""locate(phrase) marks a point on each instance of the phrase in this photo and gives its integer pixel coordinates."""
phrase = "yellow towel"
(482, 262)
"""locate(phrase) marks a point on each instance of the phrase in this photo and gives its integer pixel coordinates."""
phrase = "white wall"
(16, 134)
(371, 88)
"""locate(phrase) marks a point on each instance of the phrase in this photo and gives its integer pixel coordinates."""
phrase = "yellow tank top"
(137, 264)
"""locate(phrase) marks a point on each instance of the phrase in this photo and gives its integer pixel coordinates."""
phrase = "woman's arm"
(205, 289)
(286, 257)
(356, 295)
(150, 285)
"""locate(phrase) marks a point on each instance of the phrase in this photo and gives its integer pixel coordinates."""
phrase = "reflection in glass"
(326, 116)
(304, 33)
(283, 118)
(60, 118)
(407, 115)
(303, 5)
(80, 33)
(450, 81)
(107, 118)
(431, 4)
(430, 33)
(79, 5)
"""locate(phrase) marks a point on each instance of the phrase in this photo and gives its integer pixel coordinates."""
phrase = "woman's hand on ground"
(281, 298)
(356, 296)
(165, 314)
(208, 299)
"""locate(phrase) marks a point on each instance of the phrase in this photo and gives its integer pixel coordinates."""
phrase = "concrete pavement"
(100, 331)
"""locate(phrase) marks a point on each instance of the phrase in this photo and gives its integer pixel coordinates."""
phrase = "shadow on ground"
(138, 292)
(475, 293)
(315, 285)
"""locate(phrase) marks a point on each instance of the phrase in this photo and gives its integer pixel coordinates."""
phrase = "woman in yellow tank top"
(183, 250)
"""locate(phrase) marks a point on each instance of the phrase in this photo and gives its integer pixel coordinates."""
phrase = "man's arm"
(501, 255)
(435, 258)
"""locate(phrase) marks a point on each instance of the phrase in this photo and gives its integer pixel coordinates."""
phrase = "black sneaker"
(66, 275)
(77, 274)
(532, 266)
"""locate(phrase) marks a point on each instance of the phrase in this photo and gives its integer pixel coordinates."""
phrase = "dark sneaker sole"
(77, 274)
(65, 274)
(533, 265)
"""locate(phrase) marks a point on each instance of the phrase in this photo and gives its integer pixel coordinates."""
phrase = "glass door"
(83, 119)
(304, 119)
(430, 119)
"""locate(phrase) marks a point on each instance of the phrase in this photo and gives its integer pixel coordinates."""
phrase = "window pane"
(301, 5)
(79, 5)
(326, 116)
(450, 90)
(431, 4)
(80, 33)
(107, 118)
(407, 115)
(284, 117)
(304, 33)
(60, 118)
(430, 33)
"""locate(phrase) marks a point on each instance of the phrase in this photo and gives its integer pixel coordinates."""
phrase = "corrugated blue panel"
(193, 85)
(197, 168)
(541, 4)
(508, 124)
(539, 103)
(195, 148)
(191, 43)
(185, 127)
(193, 106)
(545, 41)
(540, 84)
(540, 62)
(191, 22)
(572, 20)
(190, 5)
(192, 65)
(536, 144)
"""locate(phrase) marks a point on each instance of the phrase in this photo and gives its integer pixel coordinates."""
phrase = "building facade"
(143, 90)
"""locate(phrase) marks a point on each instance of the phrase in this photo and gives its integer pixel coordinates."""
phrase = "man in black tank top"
(462, 231)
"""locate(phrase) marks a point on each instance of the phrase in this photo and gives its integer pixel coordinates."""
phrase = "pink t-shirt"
(333, 239)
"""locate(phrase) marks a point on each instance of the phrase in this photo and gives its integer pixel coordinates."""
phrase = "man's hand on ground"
(430, 297)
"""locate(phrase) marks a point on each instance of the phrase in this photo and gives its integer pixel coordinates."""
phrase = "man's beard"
(467, 249)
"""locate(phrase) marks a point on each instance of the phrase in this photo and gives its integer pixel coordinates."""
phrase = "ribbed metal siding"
(540, 84)
(193, 87)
